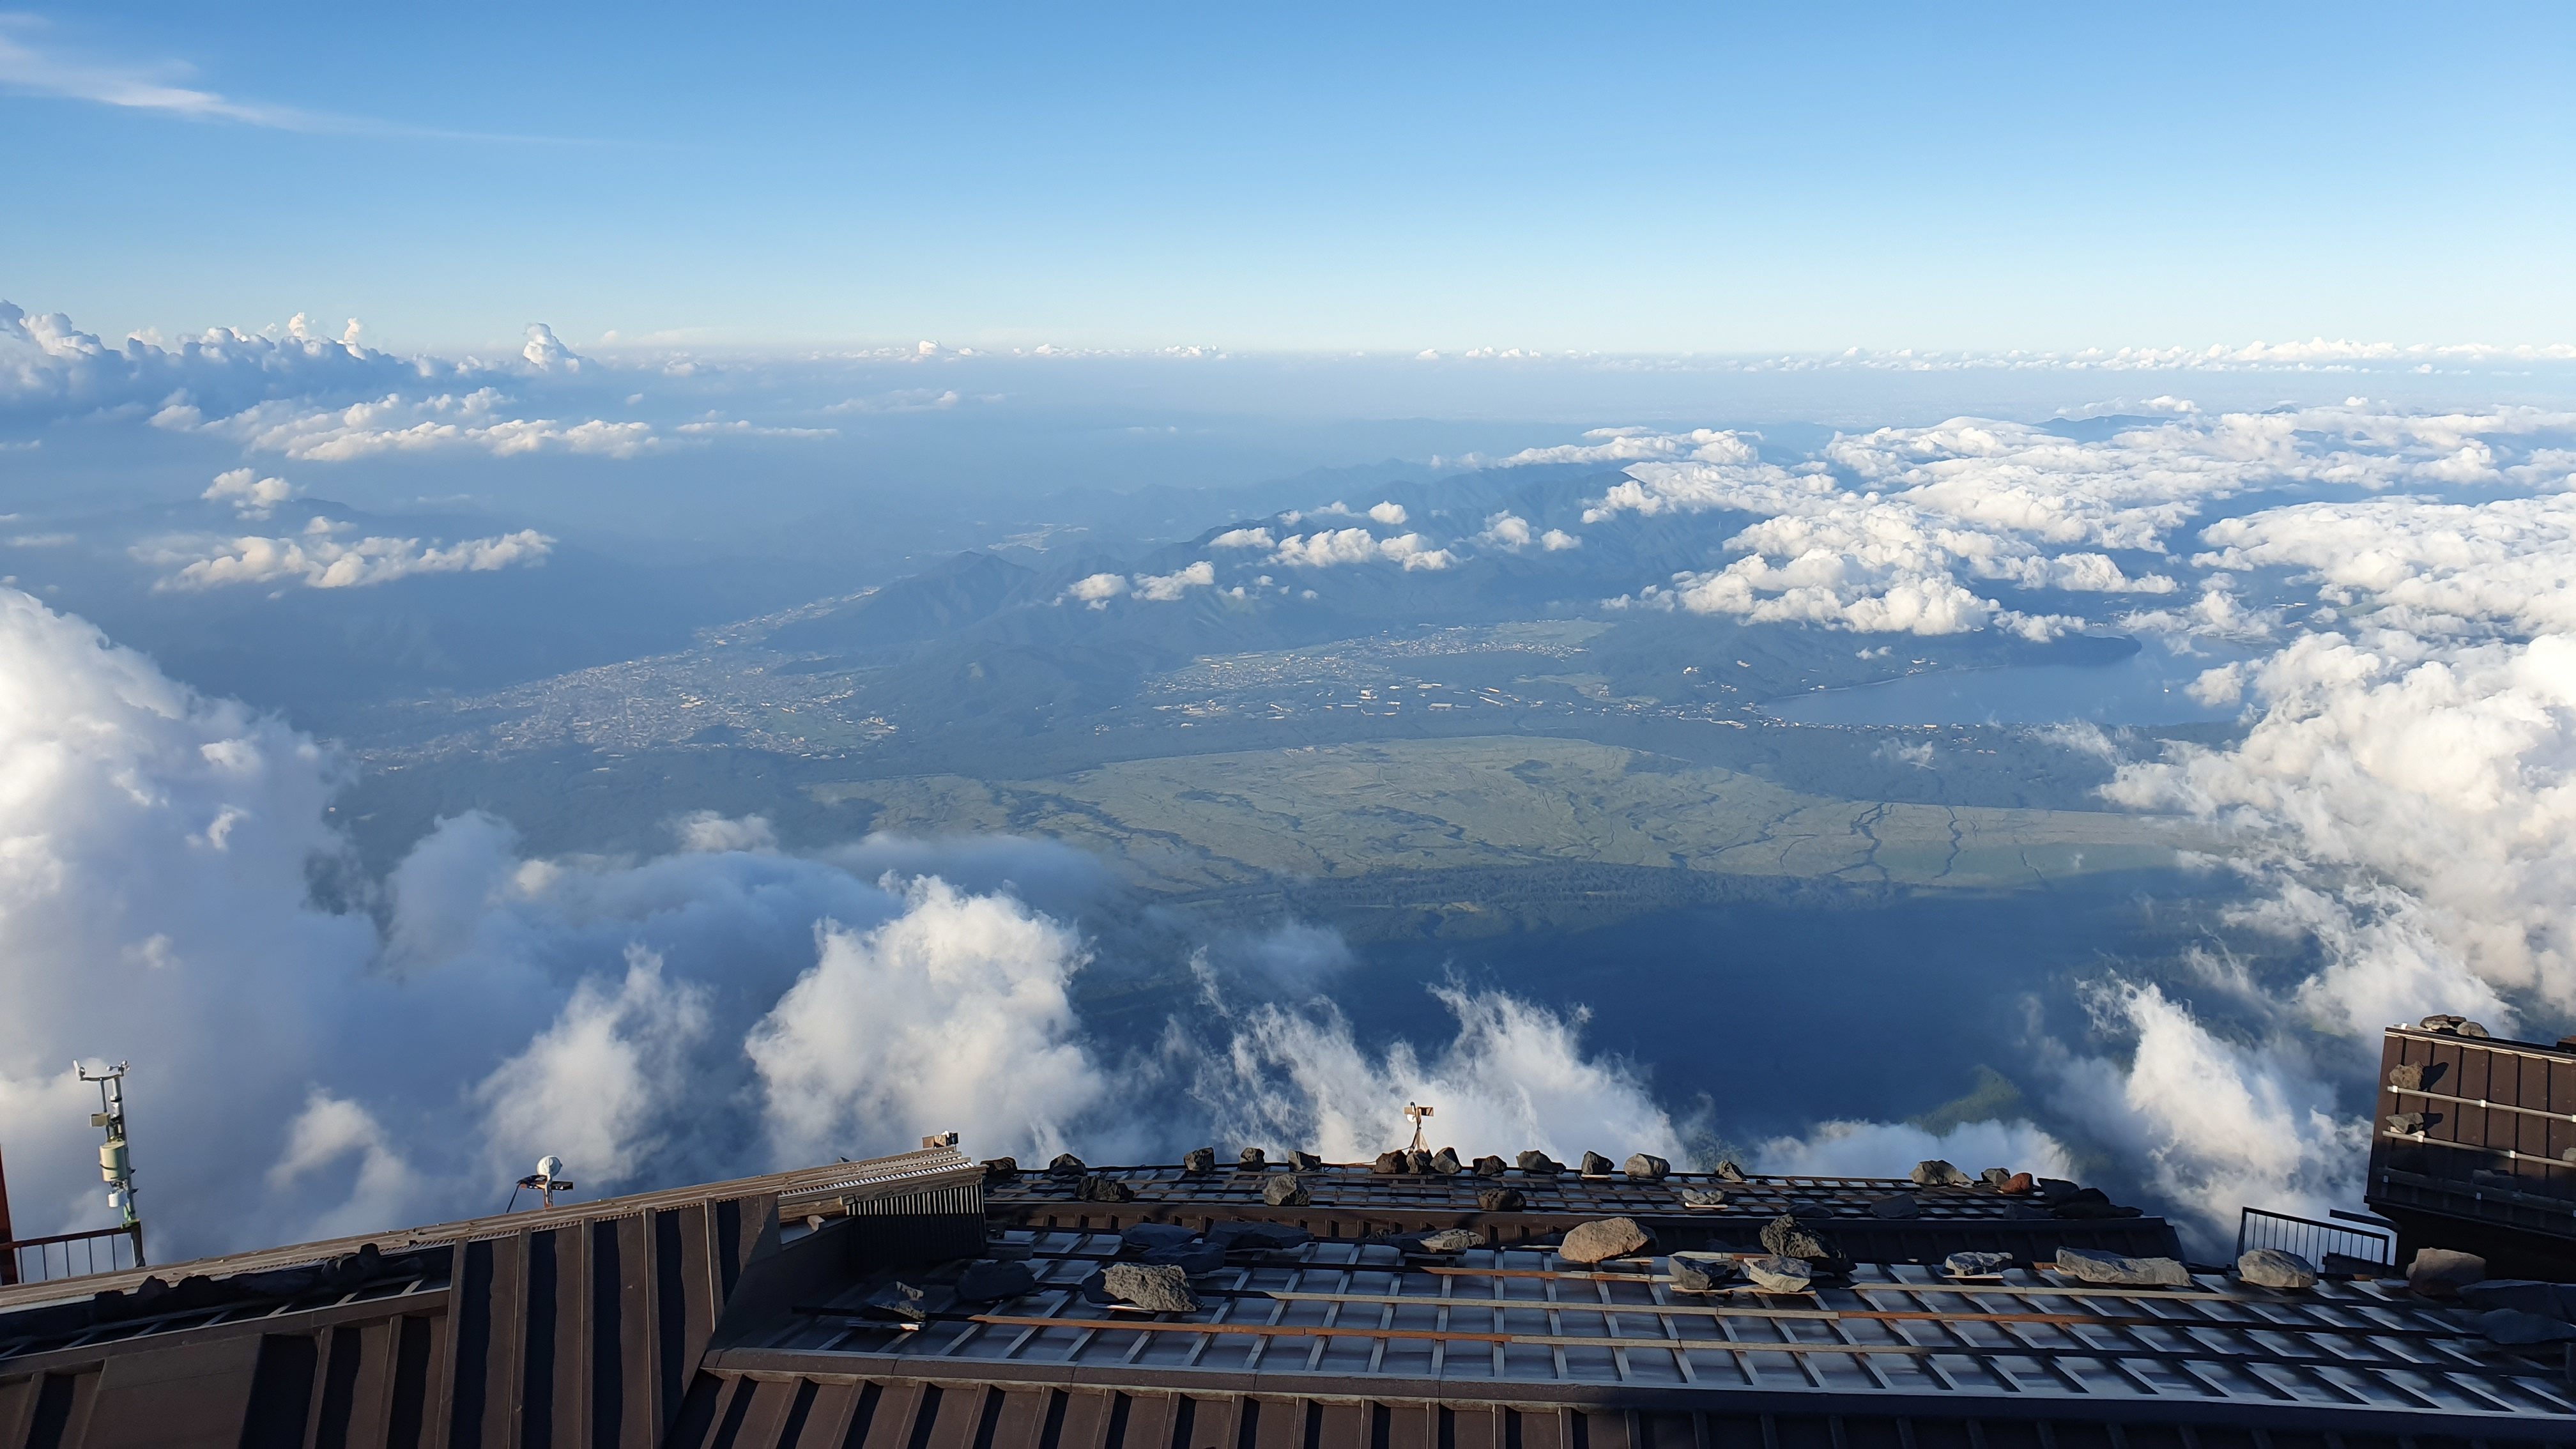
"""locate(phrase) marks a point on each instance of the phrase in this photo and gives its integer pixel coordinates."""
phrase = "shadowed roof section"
(755, 1315)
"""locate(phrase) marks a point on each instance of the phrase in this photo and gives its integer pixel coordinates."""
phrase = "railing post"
(135, 1231)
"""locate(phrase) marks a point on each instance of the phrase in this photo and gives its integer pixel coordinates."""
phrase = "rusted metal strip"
(1746, 1345)
(1885, 1315)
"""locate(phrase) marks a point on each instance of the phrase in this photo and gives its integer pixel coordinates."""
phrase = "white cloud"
(1506, 531)
(1513, 1076)
(1884, 1149)
(1557, 540)
(741, 428)
(2216, 1125)
(901, 400)
(2420, 564)
(2440, 771)
(1098, 589)
(250, 495)
(597, 1085)
(318, 560)
(710, 832)
(546, 353)
(1243, 538)
(394, 424)
(953, 1015)
(1165, 588)
(41, 71)
(1391, 514)
(1327, 548)
(1629, 445)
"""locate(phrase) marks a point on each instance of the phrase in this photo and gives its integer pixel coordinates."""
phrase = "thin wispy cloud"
(30, 67)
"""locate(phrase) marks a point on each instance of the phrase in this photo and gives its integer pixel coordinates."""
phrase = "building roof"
(737, 1315)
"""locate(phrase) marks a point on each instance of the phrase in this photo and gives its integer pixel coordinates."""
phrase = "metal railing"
(71, 1255)
(2331, 1247)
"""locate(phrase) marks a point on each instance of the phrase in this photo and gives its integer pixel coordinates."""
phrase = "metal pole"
(8, 1235)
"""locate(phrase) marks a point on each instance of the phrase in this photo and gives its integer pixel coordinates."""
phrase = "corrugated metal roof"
(1506, 1322)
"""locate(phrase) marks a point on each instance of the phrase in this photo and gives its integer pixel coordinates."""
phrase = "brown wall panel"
(182, 1398)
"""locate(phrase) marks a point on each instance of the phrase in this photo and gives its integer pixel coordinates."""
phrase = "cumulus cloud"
(170, 892)
(983, 1035)
(1244, 538)
(317, 559)
(1629, 445)
(1164, 588)
(395, 424)
(1512, 1076)
(250, 495)
(2439, 771)
(1328, 548)
(1096, 590)
(2217, 1124)
(1391, 514)
(1880, 1149)
(2421, 564)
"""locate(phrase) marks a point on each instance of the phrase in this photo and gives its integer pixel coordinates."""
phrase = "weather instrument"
(115, 1158)
(1417, 1114)
(545, 1182)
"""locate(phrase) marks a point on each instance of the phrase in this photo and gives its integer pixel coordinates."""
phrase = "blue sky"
(1711, 179)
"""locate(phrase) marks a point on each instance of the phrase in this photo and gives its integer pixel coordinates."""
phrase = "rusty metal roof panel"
(1515, 1323)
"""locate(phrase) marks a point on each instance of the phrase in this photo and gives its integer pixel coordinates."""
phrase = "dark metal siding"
(744, 1411)
(2487, 1172)
(580, 1335)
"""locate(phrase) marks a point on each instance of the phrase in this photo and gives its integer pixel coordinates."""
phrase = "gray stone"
(2405, 1124)
(1450, 1240)
(1491, 1167)
(1259, 1237)
(1199, 1160)
(1780, 1275)
(987, 1281)
(1602, 1239)
(2439, 1022)
(1001, 1169)
(908, 1303)
(1995, 1177)
(2407, 1076)
(1190, 1258)
(1596, 1165)
(1391, 1164)
(2523, 1295)
(1727, 1171)
(2443, 1272)
(1102, 1188)
(2114, 1270)
(1645, 1167)
(1702, 1272)
(1066, 1165)
(1902, 1205)
(1280, 1189)
(1145, 1237)
(1304, 1162)
(1445, 1162)
(2273, 1268)
(1251, 1159)
(1418, 1161)
(1539, 1164)
(1703, 1197)
(1976, 1265)
(2054, 1190)
(1786, 1237)
(1161, 1287)
(1933, 1172)
(2517, 1329)
(1500, 1200)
